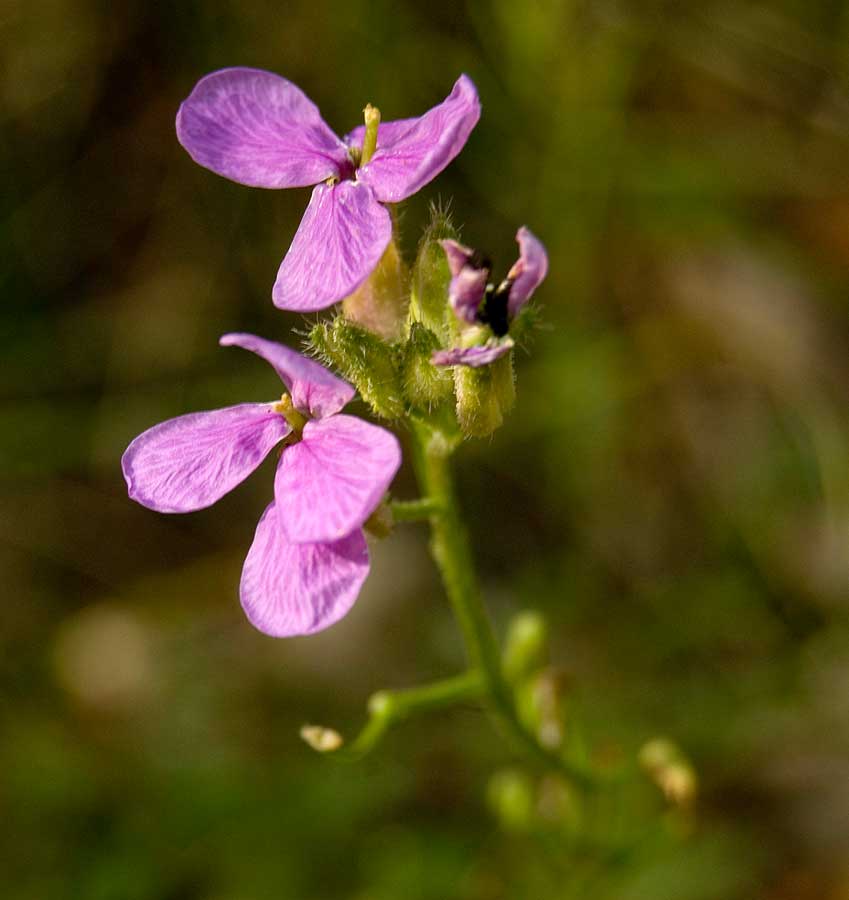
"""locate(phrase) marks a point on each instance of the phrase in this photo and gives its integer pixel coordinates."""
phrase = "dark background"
(672, 490)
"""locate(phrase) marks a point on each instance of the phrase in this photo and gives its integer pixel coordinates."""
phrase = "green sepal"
(368, 363)
(425, 384)
(504, 382)
(431, 276)
(478, 409)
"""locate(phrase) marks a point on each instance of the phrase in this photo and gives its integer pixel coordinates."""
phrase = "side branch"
(414, 510)
(387, 708)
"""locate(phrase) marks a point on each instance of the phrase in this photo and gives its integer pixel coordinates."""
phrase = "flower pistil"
(296, 419)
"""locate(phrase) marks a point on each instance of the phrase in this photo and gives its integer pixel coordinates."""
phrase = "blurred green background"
(672, 490)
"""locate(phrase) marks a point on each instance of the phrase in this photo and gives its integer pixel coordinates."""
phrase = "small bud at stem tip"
(324, 740)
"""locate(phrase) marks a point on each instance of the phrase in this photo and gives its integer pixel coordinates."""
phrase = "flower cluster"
(309, 556)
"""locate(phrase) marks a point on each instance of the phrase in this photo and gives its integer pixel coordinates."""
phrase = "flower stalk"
(414, 510)
(453, 557)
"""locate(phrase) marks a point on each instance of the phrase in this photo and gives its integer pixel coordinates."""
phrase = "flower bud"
(540, 701)
(526, 648)
(664, 762)
(321, 739)
(379, 303)
(559, 804)
(511, 798)
(364, 360)
(425, 385)
(431, 277)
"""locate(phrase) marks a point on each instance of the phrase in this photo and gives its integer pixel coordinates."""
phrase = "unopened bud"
(425, 384)
(541, 704)
(321, 739)
(511, 797)
(364, 360)
(559, 804)
(380, 704)
(431, 276)
(526, 648)
(379, 303)
(670, 770)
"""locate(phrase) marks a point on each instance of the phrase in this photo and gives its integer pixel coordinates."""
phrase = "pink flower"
(475, 300)
(259, 129)
(309, 557)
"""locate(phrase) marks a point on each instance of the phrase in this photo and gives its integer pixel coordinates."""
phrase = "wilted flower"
(259, 129)
(477, 301)
(309, 556)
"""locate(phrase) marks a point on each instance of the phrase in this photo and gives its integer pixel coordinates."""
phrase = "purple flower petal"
(289, 589)
(259, 129)
(475, 357)
(339, 242)
(468, 282)
(412, 152)
(189, 462)
(466, 292)
(457, 255)
(314, 390)
(528, 271)
(330, 482)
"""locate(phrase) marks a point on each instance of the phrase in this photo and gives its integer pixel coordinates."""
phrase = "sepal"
(425, 384)
(364, 360)
(431, 276)
(478, 409)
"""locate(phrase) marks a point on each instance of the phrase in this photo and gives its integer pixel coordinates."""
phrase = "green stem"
(452, 554)
(386, 708)
(414, 510)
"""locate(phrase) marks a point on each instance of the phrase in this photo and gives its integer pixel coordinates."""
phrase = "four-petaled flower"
(477, 301)
(259, 129)
(309, 557)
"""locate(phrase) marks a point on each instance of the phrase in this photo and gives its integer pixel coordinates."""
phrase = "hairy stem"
(452, 554)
